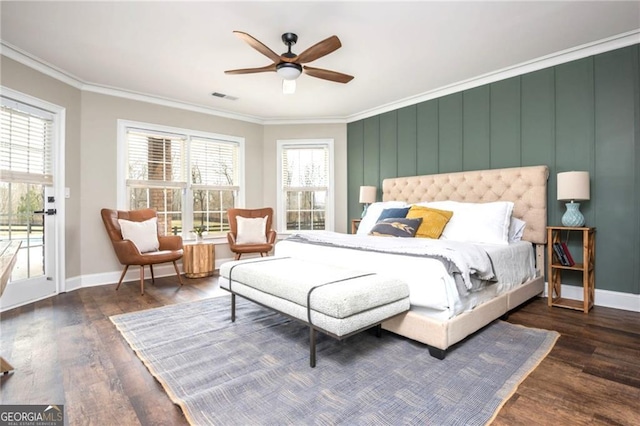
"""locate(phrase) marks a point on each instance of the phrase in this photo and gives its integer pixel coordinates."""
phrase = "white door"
(30, 129)
(28, 222)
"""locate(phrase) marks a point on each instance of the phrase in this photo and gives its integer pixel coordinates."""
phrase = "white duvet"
(432, 289)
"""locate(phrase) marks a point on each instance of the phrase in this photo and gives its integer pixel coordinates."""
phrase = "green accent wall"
(581, 115)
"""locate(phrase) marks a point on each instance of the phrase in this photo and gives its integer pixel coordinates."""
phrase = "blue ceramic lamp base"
(572, 217)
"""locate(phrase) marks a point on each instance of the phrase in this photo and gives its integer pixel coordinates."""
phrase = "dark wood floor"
(66, 351)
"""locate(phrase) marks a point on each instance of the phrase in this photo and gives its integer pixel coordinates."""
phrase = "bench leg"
(379, 330)
(312, 347)
(233, 307)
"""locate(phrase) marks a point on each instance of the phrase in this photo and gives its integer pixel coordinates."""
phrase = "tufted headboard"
(525, 186)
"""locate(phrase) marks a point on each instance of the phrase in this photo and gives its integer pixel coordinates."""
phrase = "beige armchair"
(270, 235)
(170, 249)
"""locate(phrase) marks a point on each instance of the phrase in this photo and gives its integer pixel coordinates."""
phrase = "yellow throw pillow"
(433, 220)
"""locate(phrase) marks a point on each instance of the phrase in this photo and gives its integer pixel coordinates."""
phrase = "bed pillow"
(373, 212)
(516, 229)
(394, 212)
(396, 227)
(485, 223)
(251, 230)
(433, 220)
(143, 234)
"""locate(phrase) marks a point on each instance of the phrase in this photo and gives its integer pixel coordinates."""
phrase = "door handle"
(48, 212)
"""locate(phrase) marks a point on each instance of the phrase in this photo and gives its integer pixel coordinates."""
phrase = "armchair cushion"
(251, 230)
(143, 234)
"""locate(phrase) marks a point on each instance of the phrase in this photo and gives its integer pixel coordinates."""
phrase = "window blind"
(214, 164)
(25, 147)
(305, 168)
(155, 159)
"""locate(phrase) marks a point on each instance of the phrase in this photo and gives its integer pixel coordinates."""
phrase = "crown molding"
(564, 56)
(143, 97)
(611, 43)
(31, 61)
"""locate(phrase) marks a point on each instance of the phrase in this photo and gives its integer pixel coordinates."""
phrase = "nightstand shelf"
(355, 223)
(586, 268)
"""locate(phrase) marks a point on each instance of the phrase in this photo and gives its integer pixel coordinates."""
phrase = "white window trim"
(121, 153)
(58, 115)
(329, 213)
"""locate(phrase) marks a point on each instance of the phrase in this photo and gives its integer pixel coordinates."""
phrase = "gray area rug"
(256, 370)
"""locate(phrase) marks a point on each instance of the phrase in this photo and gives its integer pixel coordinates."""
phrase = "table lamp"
(573, 186)
(367, 196)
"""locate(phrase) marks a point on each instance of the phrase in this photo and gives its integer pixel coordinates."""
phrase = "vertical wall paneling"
(450, 133)
(581, 115)
(388, 145)
(635, 71)
(476, 119)
(538, 119)
(575, 122)
(427, 137)
(407, 141)
(355, 169)
(371, 152)
(614, 150)
(505, 123)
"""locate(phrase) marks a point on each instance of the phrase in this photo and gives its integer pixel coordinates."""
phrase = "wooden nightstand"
(355, 223)
(199, 259)
(586, 268)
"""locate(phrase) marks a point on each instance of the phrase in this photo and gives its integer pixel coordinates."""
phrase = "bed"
(443, 315)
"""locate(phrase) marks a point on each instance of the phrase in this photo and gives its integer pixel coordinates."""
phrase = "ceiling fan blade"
(271, 67)
(338, 77)
(319, 50)
(256, 44)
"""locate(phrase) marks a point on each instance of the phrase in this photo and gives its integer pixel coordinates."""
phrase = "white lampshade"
(368, 194)
(573, 186)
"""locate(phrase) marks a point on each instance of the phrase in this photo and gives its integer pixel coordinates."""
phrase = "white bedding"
(432, 290)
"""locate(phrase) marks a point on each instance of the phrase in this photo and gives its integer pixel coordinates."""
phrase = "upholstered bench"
(336, 301)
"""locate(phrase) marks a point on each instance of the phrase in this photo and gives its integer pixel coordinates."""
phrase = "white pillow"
(516, 229)
(477, 222)
(373, 212)
(251, 230)
(143, 234)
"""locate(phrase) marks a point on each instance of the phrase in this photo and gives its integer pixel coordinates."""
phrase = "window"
(190, 178)
(305, 181)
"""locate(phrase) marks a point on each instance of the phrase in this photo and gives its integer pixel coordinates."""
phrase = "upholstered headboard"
(525, 186)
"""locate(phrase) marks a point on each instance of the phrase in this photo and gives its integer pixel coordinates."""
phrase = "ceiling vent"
(223, 96)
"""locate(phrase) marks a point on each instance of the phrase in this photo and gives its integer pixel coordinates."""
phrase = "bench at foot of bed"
(336, 301)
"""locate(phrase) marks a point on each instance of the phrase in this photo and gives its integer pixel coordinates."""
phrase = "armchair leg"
(175, 266)
(122, 276)
(238, 256)
(141, 280)
(153, 279)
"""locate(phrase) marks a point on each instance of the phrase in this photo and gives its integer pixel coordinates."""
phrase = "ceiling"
(178, 51)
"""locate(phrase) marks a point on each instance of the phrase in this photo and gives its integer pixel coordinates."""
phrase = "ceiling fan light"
(289, 70)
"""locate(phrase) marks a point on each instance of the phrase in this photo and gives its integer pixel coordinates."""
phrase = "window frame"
(187, 192)
(283, 144)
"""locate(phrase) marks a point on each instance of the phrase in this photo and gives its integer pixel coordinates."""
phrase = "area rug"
(256, 370)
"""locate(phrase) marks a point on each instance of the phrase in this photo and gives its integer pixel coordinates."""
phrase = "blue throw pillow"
(397, 212)
(396, 227)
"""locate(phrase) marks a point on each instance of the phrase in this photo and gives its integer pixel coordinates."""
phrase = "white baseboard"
(604, 298)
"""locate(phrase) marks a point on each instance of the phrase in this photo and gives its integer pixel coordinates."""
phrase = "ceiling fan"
(289, 65)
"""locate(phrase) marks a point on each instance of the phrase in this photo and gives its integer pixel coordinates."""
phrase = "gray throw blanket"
(466, 262)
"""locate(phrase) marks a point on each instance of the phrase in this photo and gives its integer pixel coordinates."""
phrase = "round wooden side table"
(198, 259)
